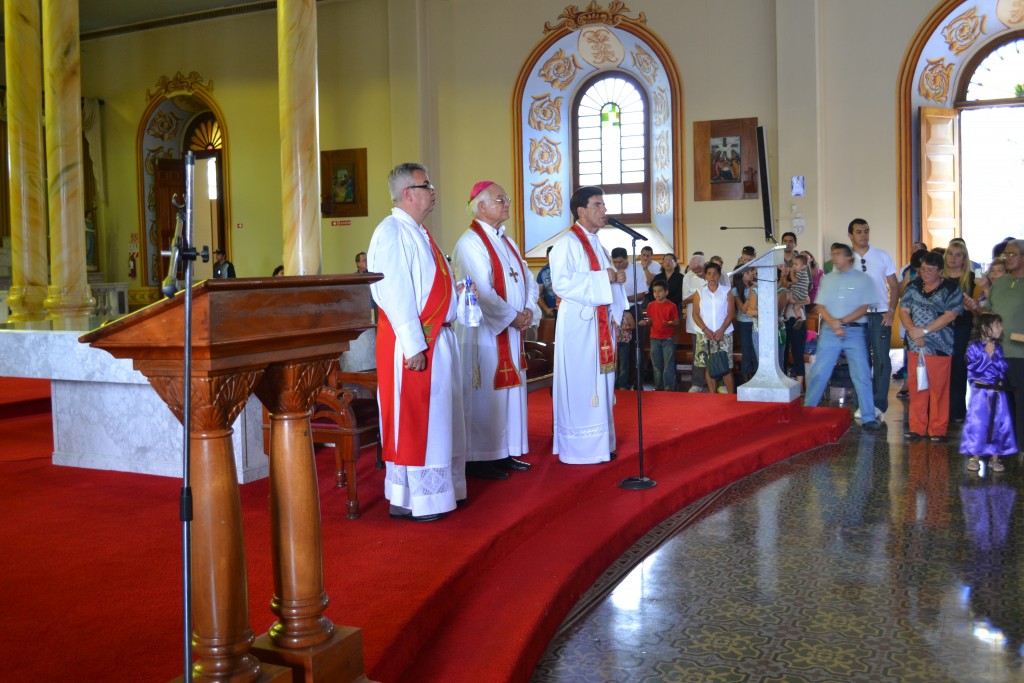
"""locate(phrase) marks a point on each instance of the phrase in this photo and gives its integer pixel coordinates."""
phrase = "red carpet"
(92, 568)
(26, 431)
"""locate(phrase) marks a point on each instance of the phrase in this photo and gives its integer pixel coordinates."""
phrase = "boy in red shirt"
(663, 317)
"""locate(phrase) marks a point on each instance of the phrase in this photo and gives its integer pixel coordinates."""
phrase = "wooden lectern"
(277, 337)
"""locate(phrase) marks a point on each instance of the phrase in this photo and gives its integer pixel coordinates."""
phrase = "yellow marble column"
(69, 296)
(300, 138)
(23, 52)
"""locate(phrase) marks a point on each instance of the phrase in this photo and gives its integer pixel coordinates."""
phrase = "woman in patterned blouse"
(928, 306)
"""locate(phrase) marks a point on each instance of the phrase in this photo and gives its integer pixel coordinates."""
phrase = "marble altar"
(106, 415)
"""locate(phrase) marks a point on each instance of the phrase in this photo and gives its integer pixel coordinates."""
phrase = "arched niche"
(181, 114)
(582, 43)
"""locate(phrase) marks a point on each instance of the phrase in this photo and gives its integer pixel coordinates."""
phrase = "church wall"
(862, 46)
(452, 92)
(820, 75)
(239, 56)
(720, 49)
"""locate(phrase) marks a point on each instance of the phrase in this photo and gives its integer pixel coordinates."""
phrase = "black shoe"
(485, 470)
(428, 518)
(872, 426)
(395, 512)
(511, 464)
(911, 436)
(939, 439)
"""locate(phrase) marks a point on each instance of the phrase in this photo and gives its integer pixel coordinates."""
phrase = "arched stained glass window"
(611, 142)
(999, 75)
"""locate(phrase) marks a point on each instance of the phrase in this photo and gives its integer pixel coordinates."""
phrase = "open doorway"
(177, 122)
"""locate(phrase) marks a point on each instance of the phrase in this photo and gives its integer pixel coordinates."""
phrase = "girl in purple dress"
(988, 428)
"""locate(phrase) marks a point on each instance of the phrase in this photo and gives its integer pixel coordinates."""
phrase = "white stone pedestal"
(769, 384)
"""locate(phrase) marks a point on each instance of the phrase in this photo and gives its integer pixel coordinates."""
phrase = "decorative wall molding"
(573, 18)
(964, 31)
(179, 83)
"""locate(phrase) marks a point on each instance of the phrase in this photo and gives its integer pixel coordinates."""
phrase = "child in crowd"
(988, 428)
(663, 316)
(995, 271)
(800, 289)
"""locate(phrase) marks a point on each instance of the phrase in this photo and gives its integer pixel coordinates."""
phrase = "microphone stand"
(640, 482)
(767, 235)
(188, 255)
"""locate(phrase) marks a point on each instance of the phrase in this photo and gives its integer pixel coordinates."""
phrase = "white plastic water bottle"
(473, 313)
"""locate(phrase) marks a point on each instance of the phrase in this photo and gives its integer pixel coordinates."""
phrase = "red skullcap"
(479, 187)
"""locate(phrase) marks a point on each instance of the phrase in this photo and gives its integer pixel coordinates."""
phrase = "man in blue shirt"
(548, 301)
(843, 300)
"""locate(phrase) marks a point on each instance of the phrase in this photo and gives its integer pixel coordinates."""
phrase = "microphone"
(767, 235)
(616, 223)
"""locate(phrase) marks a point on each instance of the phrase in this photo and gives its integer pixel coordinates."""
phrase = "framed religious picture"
(723, 151)
(343, 183)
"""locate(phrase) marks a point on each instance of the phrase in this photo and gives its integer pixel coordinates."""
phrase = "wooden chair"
(348, 421)
(546, 330)
(540, 365)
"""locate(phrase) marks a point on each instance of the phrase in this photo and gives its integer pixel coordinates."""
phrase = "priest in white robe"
(493, 357)
(418, 370)
(593, 306)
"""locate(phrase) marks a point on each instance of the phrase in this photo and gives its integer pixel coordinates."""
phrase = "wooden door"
(940, 175)
(169, 181)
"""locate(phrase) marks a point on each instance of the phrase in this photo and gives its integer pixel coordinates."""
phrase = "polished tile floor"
(868, 560)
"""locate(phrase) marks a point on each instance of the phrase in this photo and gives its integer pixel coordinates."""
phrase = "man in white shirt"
(493, 358)
(635, 288)
(692, 282)
(650, 267)
(879, 266)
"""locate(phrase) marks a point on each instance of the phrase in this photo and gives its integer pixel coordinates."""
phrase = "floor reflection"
(872, 559)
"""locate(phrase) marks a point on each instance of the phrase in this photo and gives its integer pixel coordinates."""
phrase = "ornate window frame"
(582, 43)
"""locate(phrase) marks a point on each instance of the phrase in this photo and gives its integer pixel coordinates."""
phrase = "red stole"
(507, 375)
(606, 347)
(411, 447)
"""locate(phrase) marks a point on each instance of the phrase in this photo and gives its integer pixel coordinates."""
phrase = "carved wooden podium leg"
(302, 637)
(220, 601)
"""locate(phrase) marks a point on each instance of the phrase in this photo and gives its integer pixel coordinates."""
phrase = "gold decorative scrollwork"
(934, 83)
(179, 83)
(546, 198)
(164, 125)
(153, 154)
(963, 31)
(546, 113)
(1010, 12)
(661, 107)
(599, 46)
(573, 18)
(645, 64)
(560, 69)
(545, 157)
(661, 150)
(661, 196)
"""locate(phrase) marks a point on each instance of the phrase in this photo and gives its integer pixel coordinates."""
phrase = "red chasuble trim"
(410, 448)
(506, 375)
(606, 348)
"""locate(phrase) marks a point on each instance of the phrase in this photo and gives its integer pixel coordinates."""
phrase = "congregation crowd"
(452, 391)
